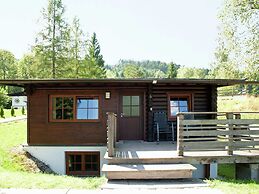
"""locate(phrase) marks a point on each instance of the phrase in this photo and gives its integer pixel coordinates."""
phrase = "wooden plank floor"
(141, 149)
(167, 150)
(148, 171)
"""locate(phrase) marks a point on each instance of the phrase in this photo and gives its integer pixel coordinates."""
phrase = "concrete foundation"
(213, 170)
(54, 156)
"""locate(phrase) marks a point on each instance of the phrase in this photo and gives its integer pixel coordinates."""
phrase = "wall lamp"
(107, 95)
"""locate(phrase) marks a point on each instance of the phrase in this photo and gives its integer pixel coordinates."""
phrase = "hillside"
(240, 103)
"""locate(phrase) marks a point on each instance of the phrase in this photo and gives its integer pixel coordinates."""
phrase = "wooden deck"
(216, 138)
(221, 138)
(165, 152)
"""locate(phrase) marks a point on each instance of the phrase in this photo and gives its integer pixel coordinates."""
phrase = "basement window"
(83, 163)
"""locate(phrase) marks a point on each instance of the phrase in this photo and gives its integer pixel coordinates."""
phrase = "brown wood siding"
(203, 99)
(214, 99)
(43, 132)
(201, 96)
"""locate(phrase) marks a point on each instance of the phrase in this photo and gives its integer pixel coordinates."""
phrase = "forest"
(62, 50)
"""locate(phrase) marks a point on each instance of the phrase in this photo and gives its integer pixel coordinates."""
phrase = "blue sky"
(167, 30)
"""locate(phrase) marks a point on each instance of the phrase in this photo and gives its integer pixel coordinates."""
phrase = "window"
(62, 108)
(87, 108)
(83, 163)
(130, 106)
(74, 108)
(178, 103)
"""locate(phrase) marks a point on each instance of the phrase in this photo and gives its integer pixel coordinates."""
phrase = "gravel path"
(11, 119)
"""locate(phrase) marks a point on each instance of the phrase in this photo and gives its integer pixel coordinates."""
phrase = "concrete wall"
(213, 170)
(200, 172)
(54, 156)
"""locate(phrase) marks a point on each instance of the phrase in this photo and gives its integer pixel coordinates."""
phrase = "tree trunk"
(53, 42)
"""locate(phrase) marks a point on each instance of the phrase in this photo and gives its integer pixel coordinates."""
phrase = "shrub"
(8, 104)
(4, 99)
(2, 112)
(23, 110)
(12, 112)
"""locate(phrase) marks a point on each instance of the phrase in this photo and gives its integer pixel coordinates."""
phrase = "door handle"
(122, 114)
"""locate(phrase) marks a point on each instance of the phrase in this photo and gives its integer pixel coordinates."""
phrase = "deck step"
(153, 159)
(148, 171)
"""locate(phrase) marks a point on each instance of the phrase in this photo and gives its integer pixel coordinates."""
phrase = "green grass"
(9, 179)
(227, 171)
(7, 113)
(14, 175)
(229, 185)
(11, 134)
(239, 104)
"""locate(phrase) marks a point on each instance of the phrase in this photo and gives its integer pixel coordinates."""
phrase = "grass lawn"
(14, 175)
(229, 185)
(7, 113)
(239, 104)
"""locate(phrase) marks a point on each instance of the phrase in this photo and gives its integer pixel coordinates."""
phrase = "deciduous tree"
(238, 38)
(8, 66)
(27, 67)
(132, 71)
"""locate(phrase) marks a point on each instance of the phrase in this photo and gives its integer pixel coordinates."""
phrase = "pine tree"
(2, 112)
(76, 48)
(94, 60)
(12, 112)
(172, 70)
(23, 110)
(52, 41)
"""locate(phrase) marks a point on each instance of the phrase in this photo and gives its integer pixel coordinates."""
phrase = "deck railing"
(111, 133)
(216, 131)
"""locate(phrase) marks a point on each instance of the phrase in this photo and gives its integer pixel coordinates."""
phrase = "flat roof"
(217, 82)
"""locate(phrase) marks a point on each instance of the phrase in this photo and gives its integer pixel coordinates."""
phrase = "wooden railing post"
(180, 150)
(230, 136)
(115, 129)
(238, 116)
(111, 133)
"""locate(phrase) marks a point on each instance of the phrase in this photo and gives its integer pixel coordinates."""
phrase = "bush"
(8, 104)
(2, 112)
(23, 110)
(4, 99)
(12, 112)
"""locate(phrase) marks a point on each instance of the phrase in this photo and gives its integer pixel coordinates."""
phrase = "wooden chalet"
(136, 128)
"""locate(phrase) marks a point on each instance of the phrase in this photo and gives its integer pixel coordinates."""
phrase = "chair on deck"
(162, 125)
